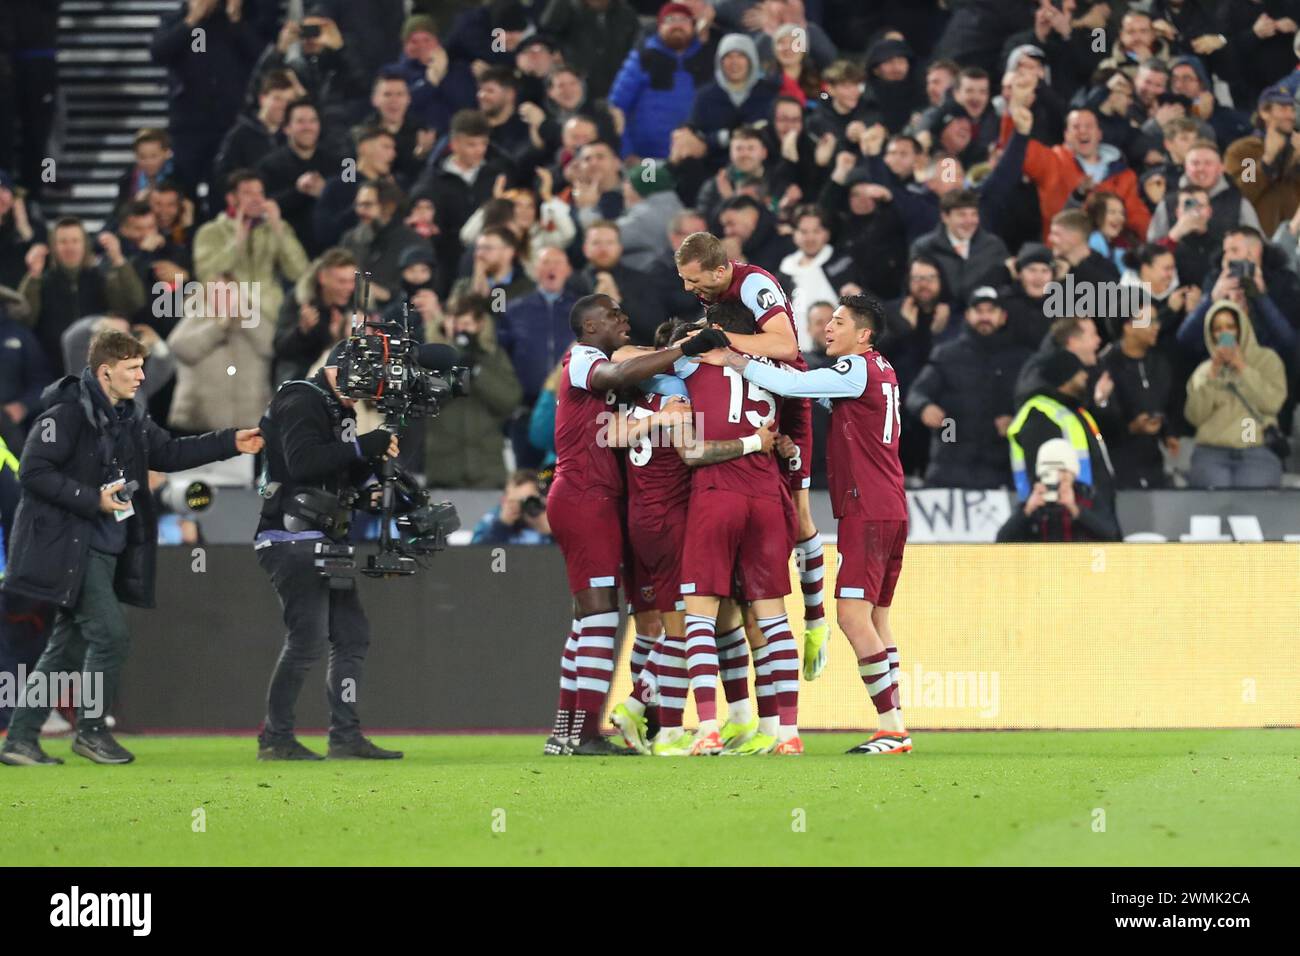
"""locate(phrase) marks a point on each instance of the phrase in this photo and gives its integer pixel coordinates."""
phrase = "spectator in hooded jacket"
(897, 92)
(740, 93)
(964, 396)
(656, 86)
(1233, 399)
(968, 255)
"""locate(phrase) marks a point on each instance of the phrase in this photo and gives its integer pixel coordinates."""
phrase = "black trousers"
(314, 616)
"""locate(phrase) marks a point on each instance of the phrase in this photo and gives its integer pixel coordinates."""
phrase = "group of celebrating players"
(682, 476)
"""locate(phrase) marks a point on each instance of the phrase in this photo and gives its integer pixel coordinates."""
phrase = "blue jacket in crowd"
(535, 333)
(655, 89)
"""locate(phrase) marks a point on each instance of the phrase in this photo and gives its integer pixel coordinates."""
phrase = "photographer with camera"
(465, 444)
(1073, 498)
(86, 536)
(315, 465)
(521, 516)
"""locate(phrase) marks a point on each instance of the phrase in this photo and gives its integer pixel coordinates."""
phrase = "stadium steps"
(108, 89)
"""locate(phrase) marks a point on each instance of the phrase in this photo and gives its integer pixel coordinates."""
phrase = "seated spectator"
(315, 314)
(1078, 166)
(841, 110)
(223, 361)
(964, 396)
(656, 85)
(1204, 170)
(252, 138)
(1233, 399)
(334, 213)
(295, 174)
(464, 444)
(740, 93)
(1265, 166)
(73, 286)
(438, 87)
(650, 200)
(595, 37)
(521, 516)
(498, 102)
(968, 255)
(1027, 320)
(607, 274)
(497, 274)
(19, 228)
(459, 178)
(750, 233)
(1143, 403)
(1076, 334)
(153, 164)
(747, 173)
(380, 237)
(412, 140)
(251, 243)
(534, 332)
(814, 272)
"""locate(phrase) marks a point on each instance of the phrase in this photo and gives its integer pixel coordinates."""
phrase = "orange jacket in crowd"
(1055, 172)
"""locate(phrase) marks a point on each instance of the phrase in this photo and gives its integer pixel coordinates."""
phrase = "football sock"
(641, 647)
(702, 666)
(811, 575)
(595, 662)
(768, 714)
(672, 683)
(883, 692)
(783, 660)
(733, 664)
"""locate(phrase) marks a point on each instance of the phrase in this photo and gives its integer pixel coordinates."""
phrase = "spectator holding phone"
(1232, 400)
(1141, 402)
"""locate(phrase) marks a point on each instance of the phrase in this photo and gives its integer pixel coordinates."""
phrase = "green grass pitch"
(1168, 797)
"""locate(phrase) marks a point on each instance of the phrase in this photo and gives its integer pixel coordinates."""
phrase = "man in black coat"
(964, 397)
(296, 173)
(85, 540)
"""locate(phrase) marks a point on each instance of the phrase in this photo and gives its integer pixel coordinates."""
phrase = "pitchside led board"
(1074, 636)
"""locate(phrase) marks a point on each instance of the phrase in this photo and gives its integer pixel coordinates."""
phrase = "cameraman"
(521, 516)
(1085, 510)
(312, 449)
(465, 444)
(86, 540)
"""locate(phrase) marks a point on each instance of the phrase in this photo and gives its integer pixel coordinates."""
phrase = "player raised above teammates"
(866, 487)
(706, 271)
(738, 541)
(585, 511)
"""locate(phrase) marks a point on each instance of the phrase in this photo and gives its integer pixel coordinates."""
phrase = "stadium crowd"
(1004, 174)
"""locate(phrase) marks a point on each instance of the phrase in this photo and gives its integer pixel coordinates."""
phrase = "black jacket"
(60, 481)
(280, 170)
(304, 427)
(1141, 385)
(246, 144)
(971, 379)
(204, 88)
